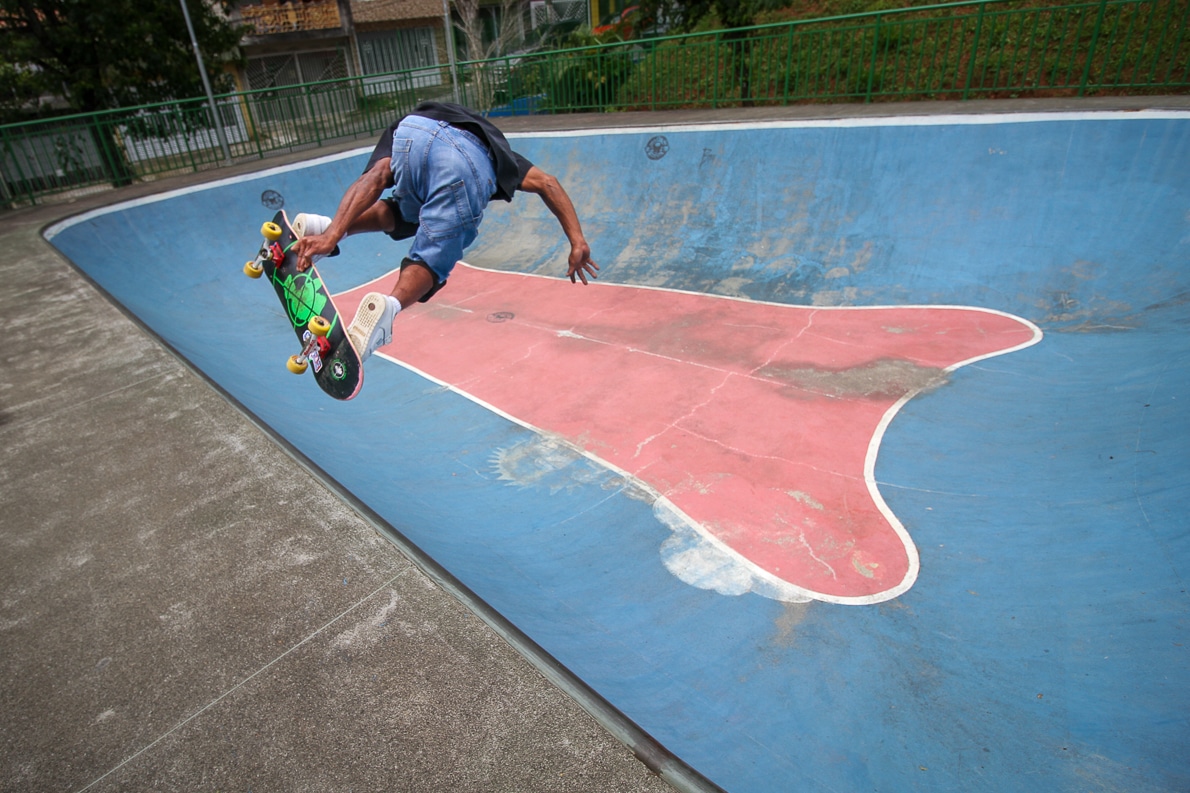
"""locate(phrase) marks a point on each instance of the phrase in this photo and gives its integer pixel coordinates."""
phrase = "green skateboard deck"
(322, 331)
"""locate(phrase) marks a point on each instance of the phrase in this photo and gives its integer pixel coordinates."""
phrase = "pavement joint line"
(72, 406)
(387, 584)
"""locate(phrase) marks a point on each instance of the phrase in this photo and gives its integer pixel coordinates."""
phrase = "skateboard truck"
(272, 232)
(314, 346)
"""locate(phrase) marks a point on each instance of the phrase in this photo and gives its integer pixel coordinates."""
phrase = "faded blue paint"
(1044, 646)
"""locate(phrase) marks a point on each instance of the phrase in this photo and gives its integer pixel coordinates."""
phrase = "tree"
(487, 31)
(104, 54)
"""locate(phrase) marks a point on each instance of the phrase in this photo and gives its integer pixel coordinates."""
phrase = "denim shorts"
(444, 177)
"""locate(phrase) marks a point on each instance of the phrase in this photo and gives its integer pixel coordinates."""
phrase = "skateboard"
(312, 313)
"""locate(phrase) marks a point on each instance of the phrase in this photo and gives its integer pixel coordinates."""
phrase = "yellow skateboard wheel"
(318, 325)
(295, 365)
(252, 271)
(271, 231)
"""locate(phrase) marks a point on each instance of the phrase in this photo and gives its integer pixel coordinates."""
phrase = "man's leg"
(378, 217)
(372, 327)
(448, 222)
(414, 284)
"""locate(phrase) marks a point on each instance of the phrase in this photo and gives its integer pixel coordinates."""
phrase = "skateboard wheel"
(295, 364)
(252, 270)
(319, 326)
(271, 231)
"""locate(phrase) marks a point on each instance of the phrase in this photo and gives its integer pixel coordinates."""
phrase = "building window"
(275, 71)
(385, 51)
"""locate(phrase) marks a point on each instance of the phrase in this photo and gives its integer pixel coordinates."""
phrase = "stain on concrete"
(791, 616)
(882, 379)
(1071, 304)
(550, 462)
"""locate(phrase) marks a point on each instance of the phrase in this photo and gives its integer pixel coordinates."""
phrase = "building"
(302, 42)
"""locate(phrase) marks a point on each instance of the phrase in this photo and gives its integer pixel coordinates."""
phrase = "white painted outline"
(57, 228)
(955, 119)
(789, 591)
(972, 119)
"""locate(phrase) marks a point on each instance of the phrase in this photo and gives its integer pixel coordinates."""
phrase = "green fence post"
(872, 64)
(974, 52)
(715, 76)
(788, 65)
(103, 133)
(10, 193)
(253, 124)
(654, 56)
(1082, 86)
(308, 91)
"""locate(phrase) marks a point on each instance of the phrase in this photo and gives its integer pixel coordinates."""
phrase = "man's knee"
(396, 226)
(427, 280)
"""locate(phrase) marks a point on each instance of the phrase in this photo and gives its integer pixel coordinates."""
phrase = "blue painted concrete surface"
(1045, 643)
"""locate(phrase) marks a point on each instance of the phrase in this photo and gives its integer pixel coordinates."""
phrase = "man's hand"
(308, 247)
(359, 198)
(581, 265)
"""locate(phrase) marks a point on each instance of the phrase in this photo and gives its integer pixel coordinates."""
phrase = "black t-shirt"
(510, 166)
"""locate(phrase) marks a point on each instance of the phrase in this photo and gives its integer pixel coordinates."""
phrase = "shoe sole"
(370, 310)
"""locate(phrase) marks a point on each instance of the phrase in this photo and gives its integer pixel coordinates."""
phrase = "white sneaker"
(308, 223)
(372, 327)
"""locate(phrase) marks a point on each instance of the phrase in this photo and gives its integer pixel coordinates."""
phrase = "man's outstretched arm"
(555, 198)
(359, 198)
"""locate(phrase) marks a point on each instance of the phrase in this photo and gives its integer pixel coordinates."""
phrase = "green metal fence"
(83, 153)
(987, 48)
(997, 48)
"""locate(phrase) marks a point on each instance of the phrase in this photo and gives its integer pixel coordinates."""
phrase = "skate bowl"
(862, 466)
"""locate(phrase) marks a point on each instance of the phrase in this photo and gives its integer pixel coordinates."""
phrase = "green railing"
(992, 49)
(982, 49)
(89, 152)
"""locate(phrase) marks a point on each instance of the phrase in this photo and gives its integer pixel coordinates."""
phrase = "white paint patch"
(694, 558)
(551, 462)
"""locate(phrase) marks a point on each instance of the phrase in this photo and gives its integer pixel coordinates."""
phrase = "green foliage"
(589, 83)
(99, 55)
(571, 81)
(675, 74)
(20, 87)
(998, 50)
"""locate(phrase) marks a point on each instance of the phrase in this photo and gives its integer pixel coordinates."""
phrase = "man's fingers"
(579, 272)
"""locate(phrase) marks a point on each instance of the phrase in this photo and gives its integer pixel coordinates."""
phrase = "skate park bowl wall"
(863, 466)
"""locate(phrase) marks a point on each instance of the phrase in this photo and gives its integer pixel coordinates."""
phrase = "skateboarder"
(444, 163)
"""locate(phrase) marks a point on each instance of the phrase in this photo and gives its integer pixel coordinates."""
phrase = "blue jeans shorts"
(444, 177)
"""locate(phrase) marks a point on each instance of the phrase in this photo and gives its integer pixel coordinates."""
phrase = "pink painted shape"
(758, 421)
